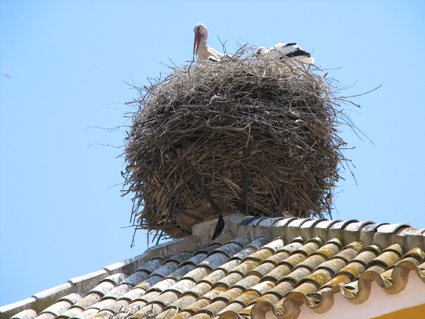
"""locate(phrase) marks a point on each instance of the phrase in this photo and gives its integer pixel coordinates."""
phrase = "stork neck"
(203, 41)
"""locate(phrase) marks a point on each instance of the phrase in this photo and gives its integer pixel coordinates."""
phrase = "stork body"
(200, 46)
(291, 50)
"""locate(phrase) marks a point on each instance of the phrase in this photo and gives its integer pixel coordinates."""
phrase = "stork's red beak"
(196, 43)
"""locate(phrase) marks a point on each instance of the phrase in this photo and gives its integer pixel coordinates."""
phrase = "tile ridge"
(348, 231)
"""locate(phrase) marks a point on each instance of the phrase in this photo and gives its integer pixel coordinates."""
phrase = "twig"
(282, 201)
(244, 197)
(165, 224)
(205, 193)
(168, 196)
(356, 95)
(133, 241)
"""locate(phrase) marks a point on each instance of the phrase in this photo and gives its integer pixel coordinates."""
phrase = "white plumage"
(206, 53)
(291, 50)
(200, 47)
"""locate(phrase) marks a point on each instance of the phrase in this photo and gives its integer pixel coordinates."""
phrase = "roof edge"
(236, 225)
(85, 283)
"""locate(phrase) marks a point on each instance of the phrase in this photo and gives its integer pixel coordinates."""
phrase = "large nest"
(247, 134)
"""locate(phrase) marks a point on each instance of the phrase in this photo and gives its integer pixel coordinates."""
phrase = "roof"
(259, 267)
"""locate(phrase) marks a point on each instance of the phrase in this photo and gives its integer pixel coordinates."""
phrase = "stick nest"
(248, 134)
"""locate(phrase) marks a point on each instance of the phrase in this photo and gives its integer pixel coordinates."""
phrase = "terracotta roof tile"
(228, 266)
(149, 282)
(357, 226)
(72, 312)
(196, 259)
(263, 269)
(213, 308)
(26, 314)
(350, 251)
(327, 224)
(246, 283)
(233, 277)
(311, 262)
(115, 307)
(202, 315)
(182, 302)
(161, 286)
(181, 271)
(61, 305)
(273, 265)
(203, 287)
(277, 257)
(343, 224)
(129, 297)
(182, 315)
(197, 273)
(229, 249)
(282, 222)
(166, 269)
(366, 254)
(118, 291)
(136, 277)
(149, 310)
(199, 304)
(88, 300)
(333, 265)
(310, 246)
(281, 270)
(387, 258)
(214, 260)
(260, 255)
(244, 312)
(415, 254)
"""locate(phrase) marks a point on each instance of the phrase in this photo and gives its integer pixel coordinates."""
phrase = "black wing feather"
(298, 52)
(219, 227)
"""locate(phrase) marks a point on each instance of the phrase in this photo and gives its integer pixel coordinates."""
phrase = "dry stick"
(279, 210)
(244, 197)
(187, 104)
(205, 193)
(133, 241)
(165, 224)
(169, 197)
(178, 210)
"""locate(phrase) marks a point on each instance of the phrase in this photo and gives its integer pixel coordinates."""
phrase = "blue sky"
(63, 68)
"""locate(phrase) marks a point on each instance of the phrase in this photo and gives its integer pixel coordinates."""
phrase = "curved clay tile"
(62, 305)
(291, 305)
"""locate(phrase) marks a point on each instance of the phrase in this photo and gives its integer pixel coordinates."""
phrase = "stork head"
(261, 51)
(201, 31)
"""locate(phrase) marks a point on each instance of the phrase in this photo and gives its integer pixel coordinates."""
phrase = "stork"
(291, 50)
(200, 47)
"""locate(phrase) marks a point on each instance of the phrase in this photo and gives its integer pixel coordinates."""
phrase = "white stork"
(200, 47)
(291, 50)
